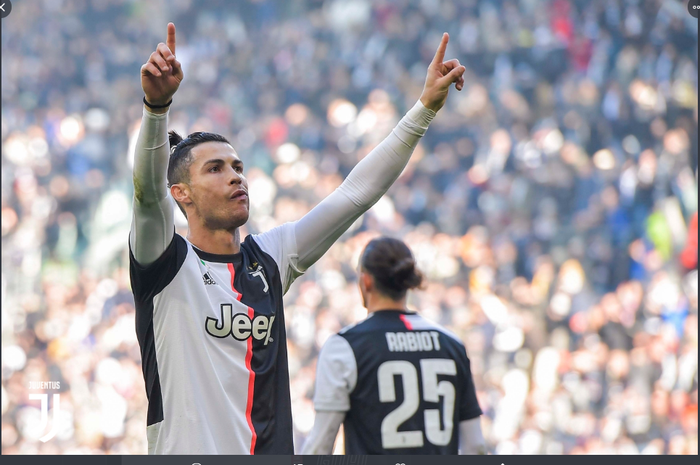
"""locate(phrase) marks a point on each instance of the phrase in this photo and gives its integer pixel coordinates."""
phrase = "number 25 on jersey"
(392, 438)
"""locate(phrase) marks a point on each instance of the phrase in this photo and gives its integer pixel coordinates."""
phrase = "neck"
(376, 303)
(215, 241)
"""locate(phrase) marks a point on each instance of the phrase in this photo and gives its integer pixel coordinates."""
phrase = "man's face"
(217, 188)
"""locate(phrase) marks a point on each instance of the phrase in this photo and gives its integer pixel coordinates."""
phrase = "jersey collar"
(393, 310)
(211, 257)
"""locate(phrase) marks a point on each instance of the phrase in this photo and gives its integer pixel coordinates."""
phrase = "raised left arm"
(363, 187)
(372, 177)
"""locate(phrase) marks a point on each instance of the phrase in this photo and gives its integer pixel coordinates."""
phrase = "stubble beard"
(223, 220)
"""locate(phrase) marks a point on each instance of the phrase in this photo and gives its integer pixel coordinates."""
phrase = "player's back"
(413, 386)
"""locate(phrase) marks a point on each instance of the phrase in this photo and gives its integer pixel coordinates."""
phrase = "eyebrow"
(219, 161)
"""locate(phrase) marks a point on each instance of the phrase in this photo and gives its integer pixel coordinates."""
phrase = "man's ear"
(180, 193)
(367, 281)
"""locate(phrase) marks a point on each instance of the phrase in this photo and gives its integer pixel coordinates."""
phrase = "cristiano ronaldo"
(209, 313)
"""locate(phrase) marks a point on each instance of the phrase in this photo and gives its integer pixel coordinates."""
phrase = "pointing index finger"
(440, 54)
(171, 38)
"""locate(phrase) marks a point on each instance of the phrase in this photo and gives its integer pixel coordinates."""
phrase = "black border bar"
(343, 460)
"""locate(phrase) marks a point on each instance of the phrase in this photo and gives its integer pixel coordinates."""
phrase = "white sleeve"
(336, 376)
(322, 437)
(363, 187)
(280, 243)
(153, 224)
(471, 440)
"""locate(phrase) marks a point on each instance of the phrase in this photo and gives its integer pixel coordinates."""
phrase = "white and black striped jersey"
(211, 327)
(212, 336)
(404, 382)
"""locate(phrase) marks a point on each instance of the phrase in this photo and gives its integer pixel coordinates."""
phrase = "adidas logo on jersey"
(208, 281)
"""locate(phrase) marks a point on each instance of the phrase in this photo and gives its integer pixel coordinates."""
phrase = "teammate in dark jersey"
(399, 383)
(209, 316)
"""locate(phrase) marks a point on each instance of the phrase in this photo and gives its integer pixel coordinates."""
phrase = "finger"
(177, 66)
(150, 69)
(440, 54)
(451, 64)
(459, 85)
(454, 75)
(448, 66)
(170, 42)
(177, 70)
(165, 52)
(159, 61)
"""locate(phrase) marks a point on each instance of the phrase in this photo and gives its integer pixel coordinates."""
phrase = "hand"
(440, 76)
(162, 74)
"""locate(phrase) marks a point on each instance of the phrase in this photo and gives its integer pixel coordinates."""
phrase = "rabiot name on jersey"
(416, 341)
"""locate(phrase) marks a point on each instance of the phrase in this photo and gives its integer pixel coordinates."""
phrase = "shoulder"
(178, 247)
(336, 343)
(177, 251)
(280, 244)
(276, 239)
(359, 327)
(336, 351)
(420, 323)
(269, 244)
(149, 280)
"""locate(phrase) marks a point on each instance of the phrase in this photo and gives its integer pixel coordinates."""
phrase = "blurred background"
(552, 204)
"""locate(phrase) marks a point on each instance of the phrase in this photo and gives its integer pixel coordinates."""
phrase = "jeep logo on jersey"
(240, 326)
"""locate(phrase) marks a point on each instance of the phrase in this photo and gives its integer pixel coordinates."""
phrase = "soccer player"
(399, 383)
(209, 315)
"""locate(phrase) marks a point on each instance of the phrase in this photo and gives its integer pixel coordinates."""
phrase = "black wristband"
(155, 107)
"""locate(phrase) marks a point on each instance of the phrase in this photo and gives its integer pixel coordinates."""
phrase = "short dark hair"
(391, 264)
(181, 155)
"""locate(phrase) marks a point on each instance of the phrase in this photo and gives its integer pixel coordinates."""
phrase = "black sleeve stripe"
(148, 281)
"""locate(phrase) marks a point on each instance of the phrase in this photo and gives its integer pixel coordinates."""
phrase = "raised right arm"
(152, 226)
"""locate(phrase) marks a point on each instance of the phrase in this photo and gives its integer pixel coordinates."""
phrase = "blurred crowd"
(552, 204)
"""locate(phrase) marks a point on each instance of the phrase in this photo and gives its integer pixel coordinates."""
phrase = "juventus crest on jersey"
(213, 344)
(404, 382)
